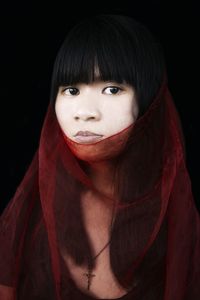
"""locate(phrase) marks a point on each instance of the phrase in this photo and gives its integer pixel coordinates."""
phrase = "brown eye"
(71, 91)
(112, 90)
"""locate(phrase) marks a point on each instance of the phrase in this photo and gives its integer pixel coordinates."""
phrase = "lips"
(87, 137)
(87, 134)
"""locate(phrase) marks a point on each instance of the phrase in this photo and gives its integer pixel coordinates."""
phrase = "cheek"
(125, 112)
(117, 118)
(63, 116)
(130, 105)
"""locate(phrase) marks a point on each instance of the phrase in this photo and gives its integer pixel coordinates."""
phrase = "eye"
(72, 91)
(112, 90)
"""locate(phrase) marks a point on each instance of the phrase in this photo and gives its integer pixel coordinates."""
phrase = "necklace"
(89, 275)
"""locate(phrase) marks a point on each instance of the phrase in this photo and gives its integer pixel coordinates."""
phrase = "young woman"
(105, 210)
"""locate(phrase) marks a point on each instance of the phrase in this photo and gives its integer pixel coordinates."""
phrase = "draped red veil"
(156, 219)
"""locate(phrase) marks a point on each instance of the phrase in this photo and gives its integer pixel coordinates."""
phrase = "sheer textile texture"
(155, 237)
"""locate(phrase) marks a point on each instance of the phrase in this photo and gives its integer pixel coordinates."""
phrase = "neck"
(101, 174)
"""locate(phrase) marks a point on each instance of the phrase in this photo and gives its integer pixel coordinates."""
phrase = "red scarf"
(155, 242)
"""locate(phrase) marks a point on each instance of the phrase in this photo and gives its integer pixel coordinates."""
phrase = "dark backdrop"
(31, 34)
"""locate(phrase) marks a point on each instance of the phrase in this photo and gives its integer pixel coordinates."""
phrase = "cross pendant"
(89, 276)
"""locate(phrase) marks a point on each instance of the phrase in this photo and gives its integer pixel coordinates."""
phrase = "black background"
(31, 34)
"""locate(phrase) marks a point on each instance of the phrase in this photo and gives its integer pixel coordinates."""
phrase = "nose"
(88, 109)
(87, 115)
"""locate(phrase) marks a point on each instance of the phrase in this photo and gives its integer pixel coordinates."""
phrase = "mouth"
(87, 133)
(87, 139)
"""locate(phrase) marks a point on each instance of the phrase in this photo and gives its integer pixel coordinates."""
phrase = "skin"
(104, 108)
(101, 107)
(6, 292)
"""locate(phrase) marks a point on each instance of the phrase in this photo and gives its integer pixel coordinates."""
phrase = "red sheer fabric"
(155, 238)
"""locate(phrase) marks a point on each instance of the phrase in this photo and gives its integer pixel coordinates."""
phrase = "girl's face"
(104, 108)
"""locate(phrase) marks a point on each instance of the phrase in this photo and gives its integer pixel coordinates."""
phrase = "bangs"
(110, 48)
(89, 54)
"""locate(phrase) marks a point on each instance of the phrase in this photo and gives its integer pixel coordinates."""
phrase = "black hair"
(111, 48)
(115, 48)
